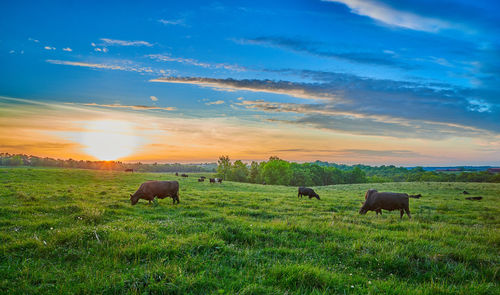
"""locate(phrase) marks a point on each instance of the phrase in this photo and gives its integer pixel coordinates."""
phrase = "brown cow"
(375, 201)
(160, 189)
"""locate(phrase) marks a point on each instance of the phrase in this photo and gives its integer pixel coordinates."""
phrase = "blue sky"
(376, 82)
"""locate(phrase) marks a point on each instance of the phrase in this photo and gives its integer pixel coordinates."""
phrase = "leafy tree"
(239, 172)
(223, 167)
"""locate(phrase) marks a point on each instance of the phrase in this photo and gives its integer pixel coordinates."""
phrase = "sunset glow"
(109, 140)
(339, 81)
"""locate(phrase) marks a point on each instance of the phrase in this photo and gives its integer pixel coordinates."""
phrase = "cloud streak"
(124, 67)
(306, 91)
(384, 13)
(114, 42)
(382, 58)
(132, 107)
(194, 62)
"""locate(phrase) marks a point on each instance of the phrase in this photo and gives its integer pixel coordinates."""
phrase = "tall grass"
(74, 231)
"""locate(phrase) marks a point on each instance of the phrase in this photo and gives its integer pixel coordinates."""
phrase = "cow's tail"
(415, 196)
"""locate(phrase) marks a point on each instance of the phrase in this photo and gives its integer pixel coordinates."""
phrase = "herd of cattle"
(374, 200)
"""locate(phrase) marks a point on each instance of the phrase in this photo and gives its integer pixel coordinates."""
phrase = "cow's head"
(134, 199)
(369, 192)
(317, 196)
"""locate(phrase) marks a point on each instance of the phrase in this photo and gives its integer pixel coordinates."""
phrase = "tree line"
(278, 171)
(7, 159)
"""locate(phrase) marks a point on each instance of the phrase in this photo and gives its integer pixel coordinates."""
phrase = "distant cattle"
(375, 201)
(212, 180)
(466, 193)
(305, 191)
(219, 180)
(160, 189)
(184, 175)
(474, 198)
(263, 183)
(201, 179)
(176, 174)
(129, 170)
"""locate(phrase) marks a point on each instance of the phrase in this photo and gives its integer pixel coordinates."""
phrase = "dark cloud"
(366, 106)
(314, 48)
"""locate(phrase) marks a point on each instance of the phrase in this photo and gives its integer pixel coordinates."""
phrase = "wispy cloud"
(132, 107)
(175, 22)
(49, 48)
(385, 58)
(153, 98)
(128, 67)
(103, 49)
(214, 102)
(386, 14)
(267, 86)
(369, 106)
(67, 49)
(194, 62)
(111, 42)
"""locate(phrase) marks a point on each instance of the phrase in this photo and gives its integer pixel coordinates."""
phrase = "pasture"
(75, 231)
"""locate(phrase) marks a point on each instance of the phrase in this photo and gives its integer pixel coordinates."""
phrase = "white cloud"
(49, 48)
(34, 40)
(67, 49)
(388, 15)
(172, 22)
(153, 98)
(194, 62)
(125, 42)
(215, 102)
(93, 44)
(12, 52)
(104, 49)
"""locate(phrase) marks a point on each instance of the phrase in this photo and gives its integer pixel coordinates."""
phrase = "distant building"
(493, 170)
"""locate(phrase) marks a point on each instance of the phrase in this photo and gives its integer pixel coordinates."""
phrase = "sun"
(109, 139)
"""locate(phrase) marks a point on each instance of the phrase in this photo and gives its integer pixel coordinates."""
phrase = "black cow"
(375, 201)
(176, 174)
(160, 189)
(129, 170)
(184, 175)
(201, 179)
(212, 180)
(305, 191)
(219, 180)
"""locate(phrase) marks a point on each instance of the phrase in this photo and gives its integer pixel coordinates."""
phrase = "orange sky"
(68, 130)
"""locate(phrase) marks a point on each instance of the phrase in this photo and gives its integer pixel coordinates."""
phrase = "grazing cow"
(305, 191)
(263, 183)
(474, 198)
(129, 170)
(219, 180)
(160, 189)
(184, 175)
(201, 179)
(375, 201)
(465, 192)
(212, 180)
(176, 174)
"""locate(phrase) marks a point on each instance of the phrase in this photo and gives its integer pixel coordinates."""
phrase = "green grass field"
(74, 231)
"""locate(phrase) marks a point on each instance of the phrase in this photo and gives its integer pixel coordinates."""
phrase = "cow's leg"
(299, 195)
(408, 212)
(401, 212)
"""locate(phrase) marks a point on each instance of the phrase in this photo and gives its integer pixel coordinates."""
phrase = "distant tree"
(223, 167)
(254, 176)
(239, 172)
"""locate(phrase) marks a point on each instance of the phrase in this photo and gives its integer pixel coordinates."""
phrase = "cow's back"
(389, 200)
(160, 187)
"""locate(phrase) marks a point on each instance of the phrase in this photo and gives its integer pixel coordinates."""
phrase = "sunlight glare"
(109, 140)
